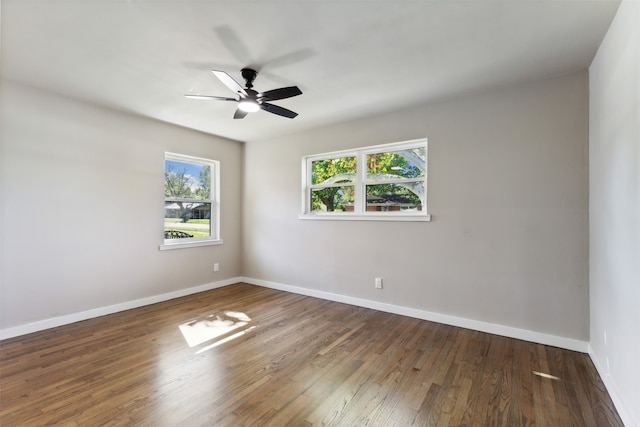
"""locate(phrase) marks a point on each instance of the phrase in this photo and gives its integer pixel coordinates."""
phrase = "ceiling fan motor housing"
(249, 75)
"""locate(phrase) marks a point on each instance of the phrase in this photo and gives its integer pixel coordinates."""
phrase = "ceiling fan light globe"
(248, 106)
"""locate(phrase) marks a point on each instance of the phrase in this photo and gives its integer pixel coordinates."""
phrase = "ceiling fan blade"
(275, 109)
(239, 114)
(282, 93)
(234, 44)
(209, 97)
(229, 82)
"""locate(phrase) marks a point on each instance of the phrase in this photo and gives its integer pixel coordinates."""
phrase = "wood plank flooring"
(262, 357)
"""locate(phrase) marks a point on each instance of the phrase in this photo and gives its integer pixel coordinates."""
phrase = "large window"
(191, 201)
(385, 182)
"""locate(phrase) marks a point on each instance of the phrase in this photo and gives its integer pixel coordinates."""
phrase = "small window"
(382, 182)
(191, 206)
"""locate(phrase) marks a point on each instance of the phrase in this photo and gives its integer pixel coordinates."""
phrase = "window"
(191, 202)
(385, 182)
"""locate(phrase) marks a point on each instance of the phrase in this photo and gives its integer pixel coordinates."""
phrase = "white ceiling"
(349, 57)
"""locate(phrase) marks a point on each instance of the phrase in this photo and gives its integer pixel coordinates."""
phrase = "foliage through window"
(382, 181)
(191, 209)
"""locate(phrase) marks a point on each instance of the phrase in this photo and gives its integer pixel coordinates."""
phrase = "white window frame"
(214, 198)
(360, 213)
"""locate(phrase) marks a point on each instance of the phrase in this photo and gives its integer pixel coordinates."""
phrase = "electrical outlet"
(216, 267)
(378, 282)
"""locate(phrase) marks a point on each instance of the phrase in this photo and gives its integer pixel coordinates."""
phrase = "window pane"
(395, 197)
(187, 180)
(186, 220)
(410, 163)
(333, 171)
(333, 199)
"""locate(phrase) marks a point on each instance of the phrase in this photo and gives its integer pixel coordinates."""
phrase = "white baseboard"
(110, 309)
(625, 415)
(492, 328)
(507, 331)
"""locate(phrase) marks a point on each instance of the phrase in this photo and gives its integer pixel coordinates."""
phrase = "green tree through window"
(391, 177)
(333, 171)
(190, 205)
(387, 178)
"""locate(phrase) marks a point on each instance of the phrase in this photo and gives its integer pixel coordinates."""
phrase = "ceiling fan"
(250, 100)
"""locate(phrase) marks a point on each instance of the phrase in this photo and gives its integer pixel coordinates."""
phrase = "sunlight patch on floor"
(212, 326)
(225, 340)
(543, 375)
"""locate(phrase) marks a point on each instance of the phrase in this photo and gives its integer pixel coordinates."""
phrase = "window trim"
(360, 213)
(214, 199)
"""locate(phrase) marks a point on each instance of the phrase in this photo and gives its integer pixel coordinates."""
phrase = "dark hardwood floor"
(266, 357)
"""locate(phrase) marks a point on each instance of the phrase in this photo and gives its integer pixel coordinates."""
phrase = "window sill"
(189, 244)
(370, 217)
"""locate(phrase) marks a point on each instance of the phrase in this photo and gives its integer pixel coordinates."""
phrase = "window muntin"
(386, 180)
(191, 208)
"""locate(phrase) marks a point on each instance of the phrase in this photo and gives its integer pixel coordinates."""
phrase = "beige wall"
(82, 207)
(507, 191)
(614, 184)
